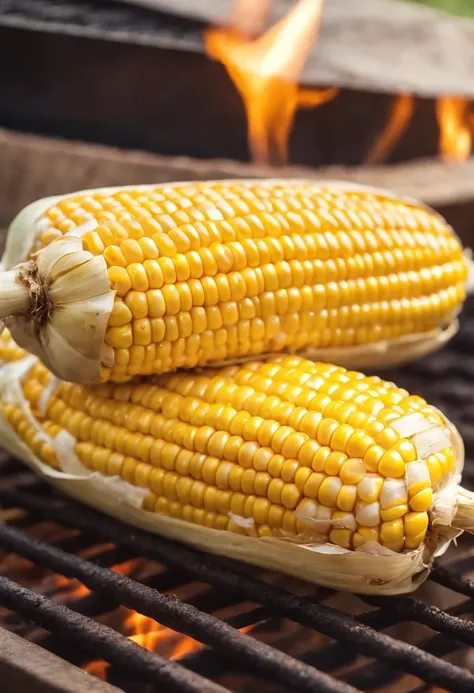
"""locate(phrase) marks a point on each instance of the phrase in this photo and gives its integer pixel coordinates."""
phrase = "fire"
(400, 115)
(456, 127)
(150, 635)
(67, 589)
(266, 70)
(97, 668)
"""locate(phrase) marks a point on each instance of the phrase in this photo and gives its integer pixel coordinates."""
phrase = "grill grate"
(337, 666)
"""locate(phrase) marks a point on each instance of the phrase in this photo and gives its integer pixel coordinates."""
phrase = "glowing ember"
(97, 668)
(456, 127)
(68, 590)
(266, 70)
(399, 118)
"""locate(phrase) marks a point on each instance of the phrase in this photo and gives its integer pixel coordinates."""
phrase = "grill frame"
(355, 635)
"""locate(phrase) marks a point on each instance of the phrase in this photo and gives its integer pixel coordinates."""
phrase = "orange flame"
(400, 115)
(266, 70)
(97, 668)
(150, 635)
(456, 127)
(70, 589)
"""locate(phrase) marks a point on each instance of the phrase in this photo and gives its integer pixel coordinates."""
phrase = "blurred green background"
(463, 7)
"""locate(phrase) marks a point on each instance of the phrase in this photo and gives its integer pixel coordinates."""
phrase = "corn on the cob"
(143, 280)
(308, 455)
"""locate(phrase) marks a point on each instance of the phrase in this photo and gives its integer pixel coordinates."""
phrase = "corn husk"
(75, 306)
(371, 569)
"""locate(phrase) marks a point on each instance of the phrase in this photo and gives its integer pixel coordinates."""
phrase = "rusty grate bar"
(257, 656)
(322, 618)
(102, 641)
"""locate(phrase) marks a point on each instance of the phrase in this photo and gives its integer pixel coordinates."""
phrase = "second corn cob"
(109, 284)
(302, 467)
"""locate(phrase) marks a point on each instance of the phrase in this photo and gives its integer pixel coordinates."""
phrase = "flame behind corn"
(218, 272)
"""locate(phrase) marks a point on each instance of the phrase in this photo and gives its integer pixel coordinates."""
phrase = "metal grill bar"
(378, 674)
(101, 641)
(453, 580)
(259, 657)
(326, 620)
(412, 609)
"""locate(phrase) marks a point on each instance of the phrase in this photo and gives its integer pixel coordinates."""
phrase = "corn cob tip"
(108, 284)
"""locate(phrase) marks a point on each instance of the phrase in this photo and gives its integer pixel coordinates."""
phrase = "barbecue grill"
(68, 574)
(356, 650)
(145, 72)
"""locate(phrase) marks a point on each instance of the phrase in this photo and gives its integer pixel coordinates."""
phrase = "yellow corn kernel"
(413, 542)
(119, 280)
(422, 501)
(392, 465)
(329, 490)
(365, 535)
(224, 447)
(373, 457)
(415, 523)
(391, 531)
(347, 497)
(352, 471)
(311, 487)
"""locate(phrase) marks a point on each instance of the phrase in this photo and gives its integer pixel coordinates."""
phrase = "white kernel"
(394, 492)
(367, 514)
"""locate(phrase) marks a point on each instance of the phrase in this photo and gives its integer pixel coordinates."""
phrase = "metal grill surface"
(411, 643)
(104, 19)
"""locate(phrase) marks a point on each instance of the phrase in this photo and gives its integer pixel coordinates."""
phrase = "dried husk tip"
(56, 306)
